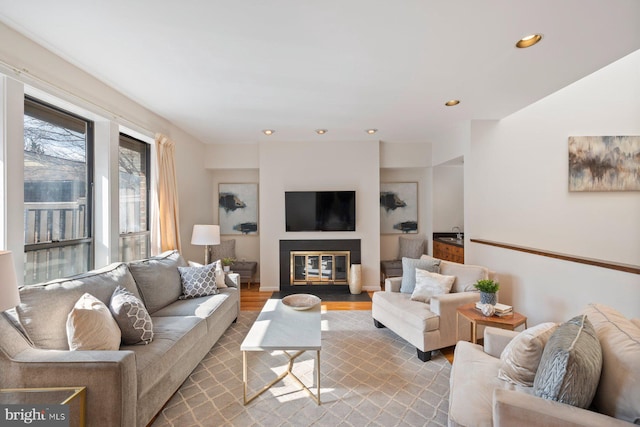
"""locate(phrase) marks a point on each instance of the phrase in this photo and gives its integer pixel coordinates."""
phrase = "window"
(58, 183)
(134, 198)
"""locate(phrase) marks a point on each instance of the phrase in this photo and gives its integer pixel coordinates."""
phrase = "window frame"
(90, 164)
(146, 152)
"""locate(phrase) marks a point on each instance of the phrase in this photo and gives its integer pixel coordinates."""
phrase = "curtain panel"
(168, 214)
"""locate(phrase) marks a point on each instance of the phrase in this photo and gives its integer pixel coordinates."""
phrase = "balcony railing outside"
(57, 242)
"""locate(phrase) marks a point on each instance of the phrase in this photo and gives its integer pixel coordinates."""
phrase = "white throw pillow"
(429, 284)
(520, 358)
(90, 326)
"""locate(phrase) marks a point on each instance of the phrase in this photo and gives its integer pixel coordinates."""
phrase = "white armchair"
(429, 326)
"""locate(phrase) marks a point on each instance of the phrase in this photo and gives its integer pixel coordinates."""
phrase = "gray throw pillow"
(409, 266)
(571, 363)
(226, 249)
(198, 281)
(158, 279)
(132, 317)
(411, 247)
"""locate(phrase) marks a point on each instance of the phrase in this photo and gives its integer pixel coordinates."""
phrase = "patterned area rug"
(369, 377)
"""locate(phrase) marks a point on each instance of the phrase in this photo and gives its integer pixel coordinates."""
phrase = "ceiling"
(225, 70)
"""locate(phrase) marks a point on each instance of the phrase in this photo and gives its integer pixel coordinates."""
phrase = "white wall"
(448, 198)
(326, 165)
(517, 193)
(27, 63)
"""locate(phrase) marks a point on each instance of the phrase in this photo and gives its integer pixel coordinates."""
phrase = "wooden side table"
(475, 317)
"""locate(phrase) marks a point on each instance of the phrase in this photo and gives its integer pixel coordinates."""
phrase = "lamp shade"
(9, 295)
(205, 235)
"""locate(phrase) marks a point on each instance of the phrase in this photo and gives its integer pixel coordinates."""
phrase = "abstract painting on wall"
(398, 207)
(604, 163)
(238, 206)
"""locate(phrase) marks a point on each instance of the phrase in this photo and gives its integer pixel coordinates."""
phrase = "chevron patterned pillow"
(569, 370)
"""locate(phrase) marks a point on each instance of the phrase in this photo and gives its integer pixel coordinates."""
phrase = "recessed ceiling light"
(529, 41)
(452, 102)
(268, 132)
(371, 131)
(321, 131)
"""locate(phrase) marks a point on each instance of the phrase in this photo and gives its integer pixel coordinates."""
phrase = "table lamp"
(206, 235)
(9, 295)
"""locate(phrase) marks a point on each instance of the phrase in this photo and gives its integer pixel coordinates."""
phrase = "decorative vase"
(226, 268)
(355, 279)
(487, 310)
(488, 298)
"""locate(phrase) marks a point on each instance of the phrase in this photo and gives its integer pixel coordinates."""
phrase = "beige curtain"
(167, 194)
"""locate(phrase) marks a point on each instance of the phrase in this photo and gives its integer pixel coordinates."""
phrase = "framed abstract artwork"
(238, 208)
(399, 207)
(604, 163)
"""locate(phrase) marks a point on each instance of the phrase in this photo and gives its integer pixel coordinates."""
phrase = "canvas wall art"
(238, 208)
(399, 207)
(604, 163)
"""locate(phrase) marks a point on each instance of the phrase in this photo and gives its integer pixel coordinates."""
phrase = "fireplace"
(317, 265)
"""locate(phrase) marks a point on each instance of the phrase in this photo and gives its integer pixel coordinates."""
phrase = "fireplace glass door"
(312, 268)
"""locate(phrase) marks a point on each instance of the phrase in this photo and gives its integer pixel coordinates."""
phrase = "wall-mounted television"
(320, 210)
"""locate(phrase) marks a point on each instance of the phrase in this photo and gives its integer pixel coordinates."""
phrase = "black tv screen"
(320, 210)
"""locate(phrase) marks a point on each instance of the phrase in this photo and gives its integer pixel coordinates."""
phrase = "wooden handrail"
(628, 268)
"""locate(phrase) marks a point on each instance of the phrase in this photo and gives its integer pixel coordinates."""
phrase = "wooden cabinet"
(448, 252)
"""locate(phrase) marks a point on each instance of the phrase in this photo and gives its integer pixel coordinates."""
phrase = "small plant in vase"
(226, 263)
(488, 289)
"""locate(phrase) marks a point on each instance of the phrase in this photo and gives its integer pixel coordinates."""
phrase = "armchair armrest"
(109, 376)
(446, 304)
(496, 339)
(392, 284)
(516, 408)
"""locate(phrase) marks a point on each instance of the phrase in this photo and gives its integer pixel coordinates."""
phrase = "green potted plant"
(226, 263)
(488, 289)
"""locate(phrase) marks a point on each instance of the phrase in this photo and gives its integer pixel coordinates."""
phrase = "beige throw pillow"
(429, 284)
(90, 326)
(520, 358)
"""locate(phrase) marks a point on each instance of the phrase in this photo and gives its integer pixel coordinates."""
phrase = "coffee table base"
(280, 377)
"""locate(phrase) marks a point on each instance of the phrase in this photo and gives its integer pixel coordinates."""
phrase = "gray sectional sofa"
(125, 387)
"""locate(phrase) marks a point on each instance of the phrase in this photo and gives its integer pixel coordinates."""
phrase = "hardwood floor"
(251, 299)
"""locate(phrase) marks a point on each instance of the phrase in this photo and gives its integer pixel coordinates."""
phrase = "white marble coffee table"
(279, 327)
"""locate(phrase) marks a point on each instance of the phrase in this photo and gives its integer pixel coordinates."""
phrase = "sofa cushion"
(618, 392)
(198, 281)
(410, 247)
(44, 308)
(131, 316)
(409, 266)
(416, 315)
(571, 363)
(90, 326)
(203, 307)
(520, 358)
(466, 274)
(158, 279)
(173, 342)
(429, 284)
(472, 381)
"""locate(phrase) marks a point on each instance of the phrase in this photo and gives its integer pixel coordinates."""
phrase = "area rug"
(369, 377)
